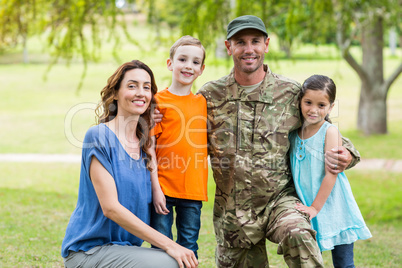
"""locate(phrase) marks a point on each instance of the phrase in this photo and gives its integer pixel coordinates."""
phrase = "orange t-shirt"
(181, 145)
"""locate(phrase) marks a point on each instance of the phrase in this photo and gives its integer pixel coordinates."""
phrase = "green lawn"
(51, 117)
(37, 116)
(378, 146)
(36, 201)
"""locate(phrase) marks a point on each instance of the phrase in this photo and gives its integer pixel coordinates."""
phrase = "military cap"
(245, 22)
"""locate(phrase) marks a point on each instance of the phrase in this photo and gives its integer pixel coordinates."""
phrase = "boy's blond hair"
(186, 40)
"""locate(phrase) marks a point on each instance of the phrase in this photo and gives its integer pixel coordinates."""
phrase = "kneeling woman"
(111, 219)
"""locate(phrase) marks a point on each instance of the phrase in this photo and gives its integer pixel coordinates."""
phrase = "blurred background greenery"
(55, 57)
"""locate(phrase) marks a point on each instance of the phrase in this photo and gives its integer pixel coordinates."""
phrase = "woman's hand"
(184, 257)
(309, 210)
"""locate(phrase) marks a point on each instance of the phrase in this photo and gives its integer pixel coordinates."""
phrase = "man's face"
(248, 48)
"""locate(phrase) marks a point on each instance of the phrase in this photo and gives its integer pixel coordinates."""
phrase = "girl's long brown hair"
(107, 108)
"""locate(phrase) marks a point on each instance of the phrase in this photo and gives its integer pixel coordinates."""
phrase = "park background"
(46, 109)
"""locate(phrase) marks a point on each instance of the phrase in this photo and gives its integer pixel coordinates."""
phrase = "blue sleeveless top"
(88, 227)
(339, 221)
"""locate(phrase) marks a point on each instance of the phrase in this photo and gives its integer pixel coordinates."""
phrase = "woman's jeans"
(188, 221)
(342, 256)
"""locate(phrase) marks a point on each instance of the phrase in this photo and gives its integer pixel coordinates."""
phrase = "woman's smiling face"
(134, 94)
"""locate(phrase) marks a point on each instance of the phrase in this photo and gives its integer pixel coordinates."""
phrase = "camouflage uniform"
(255, 196)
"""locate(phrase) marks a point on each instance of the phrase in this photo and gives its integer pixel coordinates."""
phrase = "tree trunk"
(392, 41)
(285, 47)
(372, 114)
(25, 49)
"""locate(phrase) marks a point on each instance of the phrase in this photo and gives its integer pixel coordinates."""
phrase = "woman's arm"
(106, 191)
(158, 197)
(332, 139)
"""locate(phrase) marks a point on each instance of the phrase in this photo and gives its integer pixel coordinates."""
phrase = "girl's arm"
(332, 139)
(158, 197)
(106, 191)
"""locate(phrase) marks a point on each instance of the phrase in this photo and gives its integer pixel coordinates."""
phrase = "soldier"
(250, 114)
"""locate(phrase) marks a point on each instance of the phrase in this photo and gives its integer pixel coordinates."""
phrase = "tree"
(362, 21)
(77, 27)
(366, 20)
(20, 20)
(74, 28)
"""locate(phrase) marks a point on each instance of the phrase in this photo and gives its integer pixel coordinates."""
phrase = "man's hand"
(337, 159)
(157, 116)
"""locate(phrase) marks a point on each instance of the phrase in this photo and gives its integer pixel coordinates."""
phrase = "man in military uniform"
(251, 111)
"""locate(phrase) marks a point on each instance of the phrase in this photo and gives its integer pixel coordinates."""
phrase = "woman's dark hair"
(107, 108)
(320, 82)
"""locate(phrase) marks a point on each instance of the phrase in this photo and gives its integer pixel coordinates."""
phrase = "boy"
(181, 147)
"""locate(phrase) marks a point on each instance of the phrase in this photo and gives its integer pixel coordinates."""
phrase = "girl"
(112, 215)
(327, 198)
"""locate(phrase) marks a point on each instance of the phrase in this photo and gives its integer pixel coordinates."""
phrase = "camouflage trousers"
(287, 227)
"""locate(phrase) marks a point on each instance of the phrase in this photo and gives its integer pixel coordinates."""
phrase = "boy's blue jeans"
(188, 221)
(342, 256)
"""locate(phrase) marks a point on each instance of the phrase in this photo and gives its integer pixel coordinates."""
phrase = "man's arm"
(353, 151)
(157, 116)
(340, 158)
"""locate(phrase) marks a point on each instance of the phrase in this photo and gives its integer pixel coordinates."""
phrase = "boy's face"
(186, 64)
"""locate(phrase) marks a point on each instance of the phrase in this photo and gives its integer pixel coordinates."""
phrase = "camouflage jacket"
(248, 146)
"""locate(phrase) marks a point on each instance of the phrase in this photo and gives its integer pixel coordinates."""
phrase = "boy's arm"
(158, 197)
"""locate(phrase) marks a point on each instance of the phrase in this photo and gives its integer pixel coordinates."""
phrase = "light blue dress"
(339, 221)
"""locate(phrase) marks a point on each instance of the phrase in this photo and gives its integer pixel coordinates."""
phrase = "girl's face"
(134, 94)
(315, 106)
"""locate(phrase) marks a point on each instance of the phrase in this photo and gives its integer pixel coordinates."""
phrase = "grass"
(36, 201)
(43, 113)
(37, 116)
(378, 146)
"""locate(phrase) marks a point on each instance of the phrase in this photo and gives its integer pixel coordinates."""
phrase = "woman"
(112, 215)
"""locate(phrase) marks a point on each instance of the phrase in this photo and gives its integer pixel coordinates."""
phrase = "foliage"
(20, 20)
(365, 21)
(78, 28)
(35, 118)
(74, 28)
(308, 20)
